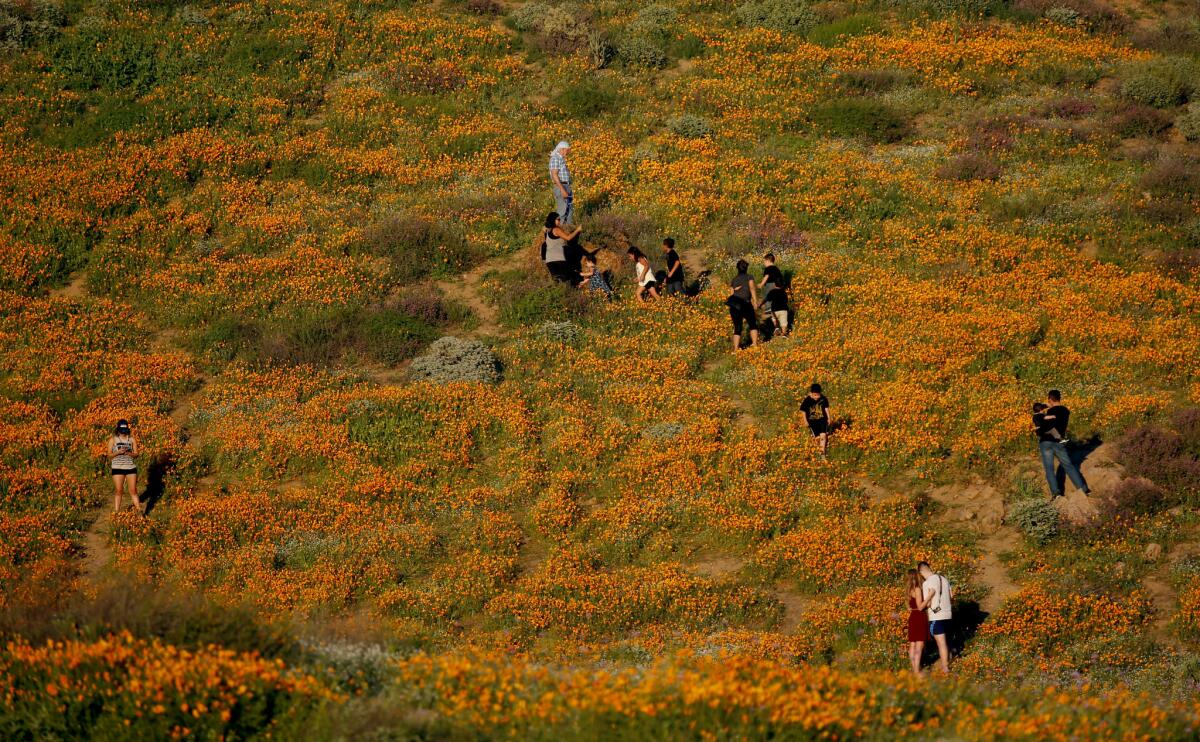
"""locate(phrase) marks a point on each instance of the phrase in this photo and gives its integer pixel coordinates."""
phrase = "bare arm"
(133, 446)
(753, 294)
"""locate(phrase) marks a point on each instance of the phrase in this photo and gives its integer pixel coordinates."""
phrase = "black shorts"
(120, 472)
(741, 311)
(818, 427)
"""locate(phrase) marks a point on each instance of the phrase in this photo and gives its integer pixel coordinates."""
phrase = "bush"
(956, 7)
(1069, 108)
(969, 166)
(114, 60)
(639, 51)
(1063, 16)
(1187, 424)
(587, 99)
(24, 24)
(451, 359)
(1188, 123)
(484, 7)
(1177, 176)
(560, 32)
(1093, 13)
(690, 126)
(528, 17)
(1036, 518)
(566, 333)
(617, 230)
(871, 81)
(1161, 83)
(600, 50)
(418, 246)
(1147, 450)
(655, 21)
(391, 336)
(787, 16)
(1175, 35)
(857, 117)
(1136, 120)
(1131, 498)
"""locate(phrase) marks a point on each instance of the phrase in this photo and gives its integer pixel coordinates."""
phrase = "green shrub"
(24, 24)
(418, 246)
(1161, 83)
(972, 8)
(656, 22)
(117, 60)
(587, 99)
(787, 16)
(690, 126)
(639, 51)
(1063, 16)
(600, 50)
(452, 359)
(859, 117)
(829, 34)
(566, 333)
(391, 336)
(970, 166)
(871, 81)
(1188, 123)
(528, 17)
(1036, 518)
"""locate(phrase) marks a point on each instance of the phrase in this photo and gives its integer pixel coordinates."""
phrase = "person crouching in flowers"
(918, 622)
(643, 273)
(592, 278)
(122, 449)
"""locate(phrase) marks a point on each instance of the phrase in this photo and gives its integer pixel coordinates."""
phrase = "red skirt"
(918, 626)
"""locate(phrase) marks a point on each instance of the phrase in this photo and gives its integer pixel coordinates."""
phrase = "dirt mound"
(976, 504)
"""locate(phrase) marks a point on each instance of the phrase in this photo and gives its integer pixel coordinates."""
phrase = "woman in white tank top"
(643, 273)
(122, 449)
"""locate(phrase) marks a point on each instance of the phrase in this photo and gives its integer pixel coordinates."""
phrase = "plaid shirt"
(558, 164)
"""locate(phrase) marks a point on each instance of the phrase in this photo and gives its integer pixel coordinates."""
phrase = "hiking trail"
(468, 289)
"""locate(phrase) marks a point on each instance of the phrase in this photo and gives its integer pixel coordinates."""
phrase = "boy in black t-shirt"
(1052, 435)
(775, 300)
(674, 279)
(816, 413)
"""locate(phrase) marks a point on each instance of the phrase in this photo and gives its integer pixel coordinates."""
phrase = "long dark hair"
(914, 580)
(552, 220)
(636, 254)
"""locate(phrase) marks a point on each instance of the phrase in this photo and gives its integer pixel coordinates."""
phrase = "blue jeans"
(1052, 450)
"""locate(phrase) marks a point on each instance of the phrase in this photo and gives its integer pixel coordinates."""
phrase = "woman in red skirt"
(918, 622)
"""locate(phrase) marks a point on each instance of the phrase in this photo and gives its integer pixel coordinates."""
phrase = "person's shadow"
(156, 475)
(964, 625)
(1077, 451)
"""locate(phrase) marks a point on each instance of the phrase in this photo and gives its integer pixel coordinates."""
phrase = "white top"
(939, 606)
(121, 450)
(645, 275)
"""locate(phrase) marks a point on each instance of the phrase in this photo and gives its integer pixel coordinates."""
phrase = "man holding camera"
(938, 594)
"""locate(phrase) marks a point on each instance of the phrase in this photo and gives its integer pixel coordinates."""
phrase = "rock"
(1153, 552)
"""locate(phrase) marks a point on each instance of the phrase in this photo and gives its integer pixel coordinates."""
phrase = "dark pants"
(674, 287)
(1052, 450)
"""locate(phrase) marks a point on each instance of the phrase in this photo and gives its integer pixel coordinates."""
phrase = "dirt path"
(76, 287)
(979, 507)
(96, 554)
(468, 289)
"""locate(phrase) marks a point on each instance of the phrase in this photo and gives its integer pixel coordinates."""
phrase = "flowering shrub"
(449, 360)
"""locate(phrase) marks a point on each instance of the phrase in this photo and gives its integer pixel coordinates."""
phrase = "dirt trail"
(96, 554)
(978, 506)
(468, 289)
(75, 288)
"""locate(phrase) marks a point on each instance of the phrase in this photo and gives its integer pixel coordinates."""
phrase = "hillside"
(400, 484)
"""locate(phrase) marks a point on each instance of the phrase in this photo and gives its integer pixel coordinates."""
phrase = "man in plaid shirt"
(560, 176)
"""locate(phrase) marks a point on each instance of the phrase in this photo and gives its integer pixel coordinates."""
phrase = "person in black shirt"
(816, 413)
(674, 280)
(1052, 436)
(771, 272)
(743, 298)
(776, 300)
